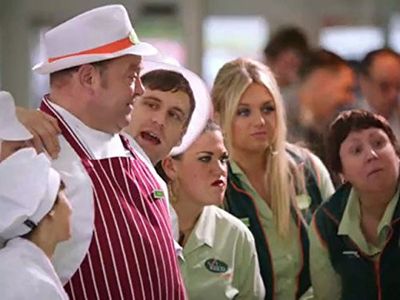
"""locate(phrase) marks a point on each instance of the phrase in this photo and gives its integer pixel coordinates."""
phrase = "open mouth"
(218, 183)
(150, 137)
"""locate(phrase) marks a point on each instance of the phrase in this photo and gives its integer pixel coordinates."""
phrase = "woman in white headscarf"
(34, 218)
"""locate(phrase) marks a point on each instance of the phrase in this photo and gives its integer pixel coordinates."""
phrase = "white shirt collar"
(99, 144)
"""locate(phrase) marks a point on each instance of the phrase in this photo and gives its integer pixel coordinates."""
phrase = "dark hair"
(347, 122)
(288, 37)
(369, 58)
(169, 81)
(321, 58)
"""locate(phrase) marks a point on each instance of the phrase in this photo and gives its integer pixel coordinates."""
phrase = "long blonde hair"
(231, 82)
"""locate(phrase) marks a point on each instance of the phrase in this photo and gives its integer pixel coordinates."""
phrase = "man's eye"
(175, 116)
(151, 105)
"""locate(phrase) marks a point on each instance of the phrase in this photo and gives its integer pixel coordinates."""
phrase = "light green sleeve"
(324, 178)
(325, 281)
(248, 278)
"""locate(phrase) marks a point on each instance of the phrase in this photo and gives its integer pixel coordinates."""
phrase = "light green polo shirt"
(219, 260)
(286, 254)
(326, 282)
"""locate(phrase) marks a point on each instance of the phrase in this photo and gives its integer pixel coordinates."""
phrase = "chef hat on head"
(10, 128)
(28, 191)
(99, 34)
(203, 106)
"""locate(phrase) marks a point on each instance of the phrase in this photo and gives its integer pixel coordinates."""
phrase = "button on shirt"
(219, 260)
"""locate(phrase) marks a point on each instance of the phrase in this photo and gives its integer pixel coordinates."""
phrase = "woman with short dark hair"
(354, 236)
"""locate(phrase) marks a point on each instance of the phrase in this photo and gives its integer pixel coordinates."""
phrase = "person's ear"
(169, 166)
(88, 76)
(342, 178)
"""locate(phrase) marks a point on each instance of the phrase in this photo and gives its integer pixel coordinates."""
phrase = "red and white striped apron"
(131, 254)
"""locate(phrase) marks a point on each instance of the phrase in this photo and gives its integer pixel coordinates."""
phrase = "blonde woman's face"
(254, 123)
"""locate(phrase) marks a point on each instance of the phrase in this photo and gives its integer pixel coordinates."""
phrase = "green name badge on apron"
(158, 194)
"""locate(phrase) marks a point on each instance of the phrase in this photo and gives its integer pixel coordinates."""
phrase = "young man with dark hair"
(162, 114)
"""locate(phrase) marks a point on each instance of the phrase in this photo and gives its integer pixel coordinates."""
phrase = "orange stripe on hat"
(104, 49)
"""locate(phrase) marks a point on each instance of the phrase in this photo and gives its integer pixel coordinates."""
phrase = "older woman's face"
(202, 171)
(254, 123)
(369, 160)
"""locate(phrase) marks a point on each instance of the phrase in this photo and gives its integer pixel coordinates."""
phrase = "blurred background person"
(35, 217)
(219, 259)
(273, 186)
(326, 87)
(284, 54)
(380, 85)
(355, 235)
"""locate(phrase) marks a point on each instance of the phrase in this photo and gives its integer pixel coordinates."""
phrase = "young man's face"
(159, 120)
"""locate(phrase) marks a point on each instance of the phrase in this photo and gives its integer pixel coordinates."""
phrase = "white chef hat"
(203, 106)
(10, 128)
(28, 191)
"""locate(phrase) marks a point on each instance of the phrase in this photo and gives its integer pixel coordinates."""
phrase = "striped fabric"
(131, 255)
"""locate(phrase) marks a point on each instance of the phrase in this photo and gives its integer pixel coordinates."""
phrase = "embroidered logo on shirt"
(216, 266)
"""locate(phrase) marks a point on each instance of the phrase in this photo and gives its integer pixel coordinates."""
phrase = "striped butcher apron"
(131, 254)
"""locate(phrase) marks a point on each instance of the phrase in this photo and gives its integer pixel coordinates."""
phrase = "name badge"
(216, 266)
(158, 194)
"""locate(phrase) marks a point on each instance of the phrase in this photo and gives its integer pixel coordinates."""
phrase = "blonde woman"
(270, 182)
